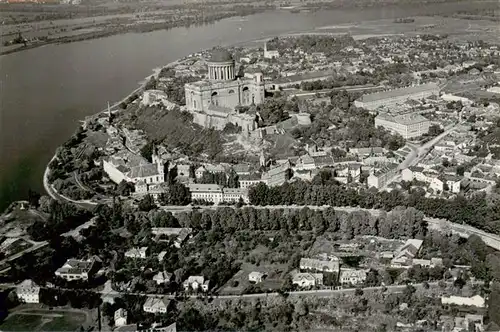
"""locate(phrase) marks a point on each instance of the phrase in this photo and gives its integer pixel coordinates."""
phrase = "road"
(109, 294)
(420, 152)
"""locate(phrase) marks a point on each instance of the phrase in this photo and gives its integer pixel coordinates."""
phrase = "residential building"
(246, 181)
(278, 175)
(256, 277)
(413, 173)
(195, 283)
(407, 125)
(181, 238)
(383, 176)
(162, 277)
(161, 255)
(331, 264)
(235, 194)
(305, 280)
(28, 292)
(137, 253)
(352, 276)
(121, 317)
(156, 305)
(406, 253)
(474, 301)
(75, 269)
(436, 184)
(397, 96)
(206, 192)
(453, 183)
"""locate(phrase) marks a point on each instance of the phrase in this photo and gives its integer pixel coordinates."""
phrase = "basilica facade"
(212, 101)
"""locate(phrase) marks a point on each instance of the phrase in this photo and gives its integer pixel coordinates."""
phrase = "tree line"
(324, 190)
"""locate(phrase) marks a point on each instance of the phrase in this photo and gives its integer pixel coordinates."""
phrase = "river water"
(45, 91)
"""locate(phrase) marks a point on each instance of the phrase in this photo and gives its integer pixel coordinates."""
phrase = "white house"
(162, 277)
(305, 280)
(120, 317)
(156, 305)
(195, 283)
(28, 292)
(75, 269)
(436, 184)
(474, 301)
(351, 276)
(136, 253)
(256, 277)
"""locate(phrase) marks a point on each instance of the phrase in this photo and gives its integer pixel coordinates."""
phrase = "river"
(45, 91)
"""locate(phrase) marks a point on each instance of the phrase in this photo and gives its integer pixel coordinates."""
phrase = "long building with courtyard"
(397, 96)
(407, 125)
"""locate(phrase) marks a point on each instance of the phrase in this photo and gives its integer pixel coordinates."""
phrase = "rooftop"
(399, 92)
(404, 119)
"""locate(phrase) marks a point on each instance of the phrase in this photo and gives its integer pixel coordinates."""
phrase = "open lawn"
(44, 320)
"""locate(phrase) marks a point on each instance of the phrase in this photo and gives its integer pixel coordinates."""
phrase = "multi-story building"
(130, 167)
(28, 292)
(156, 305)
(213, 101)
(304, 280)
(383, 176)
(407, 125)
(195, 283)
(397, 96)
(323, 264)
(351, 276)
(121, 317)
(75, 269)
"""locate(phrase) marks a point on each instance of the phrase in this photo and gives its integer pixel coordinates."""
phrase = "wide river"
(45, 91)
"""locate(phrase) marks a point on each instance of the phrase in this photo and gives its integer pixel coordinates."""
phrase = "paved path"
(314, 293)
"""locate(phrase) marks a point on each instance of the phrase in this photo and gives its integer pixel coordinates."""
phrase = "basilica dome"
(221, 55)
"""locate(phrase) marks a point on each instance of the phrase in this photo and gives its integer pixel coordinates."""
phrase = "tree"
(435, 130)
(33, 198)
(124, 188)
(147, 151)
(147, 203)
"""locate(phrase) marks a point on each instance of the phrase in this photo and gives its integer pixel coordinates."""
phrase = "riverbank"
(106, 27)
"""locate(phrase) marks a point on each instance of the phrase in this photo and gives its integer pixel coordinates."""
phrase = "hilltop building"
(397, 96)
(212, 101)
(407, 125)
(130, 167)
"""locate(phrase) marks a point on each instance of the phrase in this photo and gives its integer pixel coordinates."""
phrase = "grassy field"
(43, 320)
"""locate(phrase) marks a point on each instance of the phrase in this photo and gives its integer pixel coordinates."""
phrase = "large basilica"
(212, 101)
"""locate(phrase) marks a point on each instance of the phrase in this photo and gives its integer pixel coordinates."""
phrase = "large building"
(75, 269)
(407, 125)
(130, 167)
(397, 96)
(28, 292)
(212, 101)
(216, 194)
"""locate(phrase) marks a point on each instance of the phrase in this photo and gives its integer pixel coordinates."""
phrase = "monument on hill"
(212, 101)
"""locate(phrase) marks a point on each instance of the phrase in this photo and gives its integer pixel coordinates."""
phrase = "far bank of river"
(45, 91)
